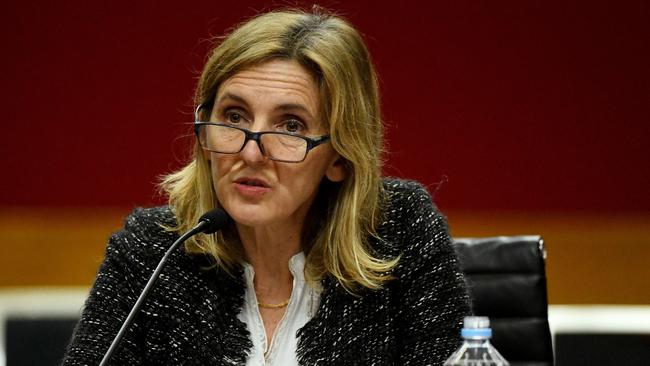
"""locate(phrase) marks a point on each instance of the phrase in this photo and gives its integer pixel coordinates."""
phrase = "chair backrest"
(37, 340)
(507, 282)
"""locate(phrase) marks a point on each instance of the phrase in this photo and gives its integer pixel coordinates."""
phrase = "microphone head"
(213, 220)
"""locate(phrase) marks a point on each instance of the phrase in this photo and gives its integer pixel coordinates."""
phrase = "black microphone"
(212, 221)
(209, 223)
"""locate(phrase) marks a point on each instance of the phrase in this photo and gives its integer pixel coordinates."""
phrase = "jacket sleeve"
(120, 277)
(433, 294)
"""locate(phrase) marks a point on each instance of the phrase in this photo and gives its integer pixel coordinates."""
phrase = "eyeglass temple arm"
(313, 142)
(196, 112)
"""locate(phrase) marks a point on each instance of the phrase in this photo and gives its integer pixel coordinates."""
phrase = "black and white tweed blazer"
(190, 317)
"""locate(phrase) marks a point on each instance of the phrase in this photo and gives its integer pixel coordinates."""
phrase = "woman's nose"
(252, 153)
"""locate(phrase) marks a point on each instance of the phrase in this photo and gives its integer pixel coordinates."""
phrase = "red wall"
(518, 105)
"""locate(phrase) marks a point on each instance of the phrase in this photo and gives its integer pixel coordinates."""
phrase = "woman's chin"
(247, 221)
(250, 217)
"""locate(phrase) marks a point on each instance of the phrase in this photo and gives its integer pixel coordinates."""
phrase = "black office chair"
(37, 340)
(507, 282)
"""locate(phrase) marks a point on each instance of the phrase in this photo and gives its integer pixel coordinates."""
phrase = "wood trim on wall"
(592, 259)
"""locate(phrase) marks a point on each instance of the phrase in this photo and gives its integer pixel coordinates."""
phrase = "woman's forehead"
(284, 83)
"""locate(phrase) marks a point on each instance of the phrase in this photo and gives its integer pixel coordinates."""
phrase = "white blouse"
(302, 306)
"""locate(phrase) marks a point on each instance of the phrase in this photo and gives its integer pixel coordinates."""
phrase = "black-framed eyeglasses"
(279, 146)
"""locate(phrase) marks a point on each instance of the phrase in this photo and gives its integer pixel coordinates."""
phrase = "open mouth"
(251, 182)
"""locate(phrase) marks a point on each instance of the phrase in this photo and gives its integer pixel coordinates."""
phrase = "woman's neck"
(268, 250)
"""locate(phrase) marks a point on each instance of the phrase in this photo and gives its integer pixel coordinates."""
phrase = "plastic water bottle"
(476, 349)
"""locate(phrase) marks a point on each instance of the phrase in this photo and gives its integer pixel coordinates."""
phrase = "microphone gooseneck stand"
(209, 223)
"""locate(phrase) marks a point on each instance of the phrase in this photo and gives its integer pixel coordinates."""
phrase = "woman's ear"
(336, 171)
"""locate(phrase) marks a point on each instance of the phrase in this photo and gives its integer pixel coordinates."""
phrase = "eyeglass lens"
(228, 140)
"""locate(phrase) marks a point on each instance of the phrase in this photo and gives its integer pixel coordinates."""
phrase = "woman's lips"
(251, 187)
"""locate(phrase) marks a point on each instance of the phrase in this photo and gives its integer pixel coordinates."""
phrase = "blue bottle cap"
(476, 327)
(476, 333)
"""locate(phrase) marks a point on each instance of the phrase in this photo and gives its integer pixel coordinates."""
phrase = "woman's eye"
(233, 117)
(293, 126)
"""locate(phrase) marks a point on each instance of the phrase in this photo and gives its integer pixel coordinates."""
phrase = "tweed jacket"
(190, 317)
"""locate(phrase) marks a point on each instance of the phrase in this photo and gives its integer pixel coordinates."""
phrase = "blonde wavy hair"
(344, 216)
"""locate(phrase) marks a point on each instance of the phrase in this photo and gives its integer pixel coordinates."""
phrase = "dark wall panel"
(511, 105)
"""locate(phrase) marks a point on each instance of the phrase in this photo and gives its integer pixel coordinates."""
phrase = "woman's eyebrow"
(233, 97)
(292, 107)
(285, 107)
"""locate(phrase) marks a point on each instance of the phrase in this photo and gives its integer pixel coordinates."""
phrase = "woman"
(324, 261)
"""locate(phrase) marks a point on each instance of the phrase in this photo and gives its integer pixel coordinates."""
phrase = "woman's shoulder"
(411, 221)
(406, 198)
(146, 231)
(148, 218)
(404, 188)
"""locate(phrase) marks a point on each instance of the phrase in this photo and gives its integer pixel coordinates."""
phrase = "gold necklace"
(272, 306)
